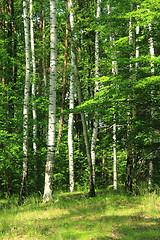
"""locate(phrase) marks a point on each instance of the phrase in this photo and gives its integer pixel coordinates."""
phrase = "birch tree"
(151, 50)
(71, 105)
(95, 124)
(48, 187)
(137, 44)
(33, 84)
(23, 190)
(114, 72)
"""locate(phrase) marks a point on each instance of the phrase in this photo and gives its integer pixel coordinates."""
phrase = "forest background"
(109, 51)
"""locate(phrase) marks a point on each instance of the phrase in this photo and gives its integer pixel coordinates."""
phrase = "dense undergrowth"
(76, 216)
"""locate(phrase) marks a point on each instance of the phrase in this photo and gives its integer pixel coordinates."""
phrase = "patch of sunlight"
(47, 214)
(83, 235)
(22, 237)
(147, 224)
(118, 212)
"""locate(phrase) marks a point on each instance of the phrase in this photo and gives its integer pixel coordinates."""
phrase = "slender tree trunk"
(137, 44)
(44, 59)
(129, 150)
(33, 90)
(48, 188)
(41, 47)
(23, 190)
(114, 72)
(45, 79)
(151, 49)
(85, 132)
(64, 88)
(71, 106)
(114, 155)
(95, 124)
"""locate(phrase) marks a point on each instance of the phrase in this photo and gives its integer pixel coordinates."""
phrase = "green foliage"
(133, 93)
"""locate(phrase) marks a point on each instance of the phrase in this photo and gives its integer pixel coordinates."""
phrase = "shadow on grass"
(76, 216)
(103, 227)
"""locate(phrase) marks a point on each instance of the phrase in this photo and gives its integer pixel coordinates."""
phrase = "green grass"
(75, 216)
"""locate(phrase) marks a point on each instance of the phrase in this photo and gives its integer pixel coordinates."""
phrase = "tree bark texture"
(71, 106)
(48, 188)
(151, 50)
(95, 124)
(23, 190)
(33, 88)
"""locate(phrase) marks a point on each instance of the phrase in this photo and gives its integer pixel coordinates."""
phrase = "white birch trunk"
(137, 45)
(95, 124)
(90, 176)
(131, 37)
(114, 72)
(48, 188)
(26, 103)
(114, 155)
(151, 46)
(71, 106)
(34, 82)
(151, 49)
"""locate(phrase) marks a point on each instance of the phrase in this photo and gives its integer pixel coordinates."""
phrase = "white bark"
(34, 80)
(71, 106)
(48, 188)
(114, 72)
(95, 125)
(151, 46)
(131, 37)
(26, 102)
(114, 155)
(151, 49)
(137, 45)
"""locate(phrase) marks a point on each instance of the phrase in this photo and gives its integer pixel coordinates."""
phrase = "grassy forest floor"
(75, 216)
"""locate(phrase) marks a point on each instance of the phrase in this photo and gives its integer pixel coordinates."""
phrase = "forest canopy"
(80, 96)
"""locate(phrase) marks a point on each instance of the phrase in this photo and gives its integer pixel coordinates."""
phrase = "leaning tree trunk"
(85, 132)
(48, 188)
(23, 190)
(95, 124)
